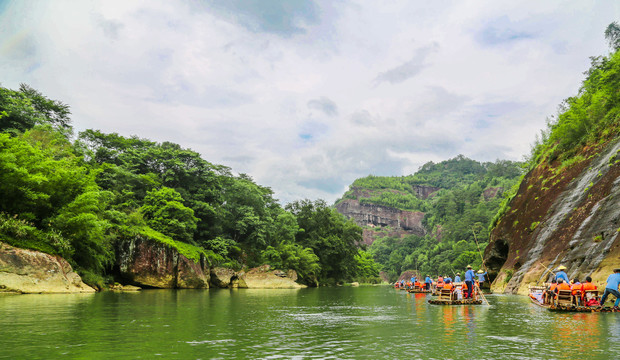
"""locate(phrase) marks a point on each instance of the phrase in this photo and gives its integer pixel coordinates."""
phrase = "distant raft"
(418, 289)
(455, 295)
(455, 302)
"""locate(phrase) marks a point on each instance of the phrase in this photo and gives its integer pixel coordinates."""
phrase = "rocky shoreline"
(141, 263)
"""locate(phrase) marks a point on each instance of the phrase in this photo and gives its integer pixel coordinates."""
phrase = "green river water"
(334, 323)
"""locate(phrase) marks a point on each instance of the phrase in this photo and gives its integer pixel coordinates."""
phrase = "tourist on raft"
(469, 280)
(457, 278)
(440, 282)
(561, 286)
(550, 292)
(428, 282)
(613, 281)
(561, 274)
(577, 290)
(480, 275)
(586, 298)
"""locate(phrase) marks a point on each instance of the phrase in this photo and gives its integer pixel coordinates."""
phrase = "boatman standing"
(457, 278)
(480, 275)
(469, 280)
(561, 274)
(428, 281)
(613, 281)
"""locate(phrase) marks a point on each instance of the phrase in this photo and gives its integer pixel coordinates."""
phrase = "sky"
(307, 96)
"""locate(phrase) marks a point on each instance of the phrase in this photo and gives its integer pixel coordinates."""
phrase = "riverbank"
(144, 265)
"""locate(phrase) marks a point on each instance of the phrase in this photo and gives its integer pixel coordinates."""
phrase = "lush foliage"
(586, 119)
(79, 198)
(456, 217)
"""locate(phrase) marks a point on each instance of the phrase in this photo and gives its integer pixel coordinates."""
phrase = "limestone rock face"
(29, 271)
(263, 277)
(402, 221)
(222, 277)
(148, 263)
(570, 219)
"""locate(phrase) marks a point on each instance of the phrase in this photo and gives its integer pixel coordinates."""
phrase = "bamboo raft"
(536, 294)
(448, 297)
(456, 302)
(561, 308)
(417, 291)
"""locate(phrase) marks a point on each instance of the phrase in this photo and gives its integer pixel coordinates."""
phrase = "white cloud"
(306, 98)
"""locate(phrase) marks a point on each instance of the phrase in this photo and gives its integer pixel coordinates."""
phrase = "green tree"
(84, 223)
(22, 110)
(164, 211)
(330, 236)
(39, 174)
(612, 35)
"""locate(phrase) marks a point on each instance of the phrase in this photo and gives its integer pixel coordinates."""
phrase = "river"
(335, 323)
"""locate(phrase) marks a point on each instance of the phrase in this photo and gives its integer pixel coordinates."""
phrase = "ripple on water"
(209, 342)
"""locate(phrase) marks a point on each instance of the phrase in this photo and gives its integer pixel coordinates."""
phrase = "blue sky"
(306, 96)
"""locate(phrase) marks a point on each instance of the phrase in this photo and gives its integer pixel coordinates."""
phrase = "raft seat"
(590, 294)
(445, 294)
(576, 297)
(564, 298)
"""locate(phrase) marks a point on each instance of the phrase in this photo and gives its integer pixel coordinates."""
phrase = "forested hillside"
(77, 196)
(566, 210)
(464, 197)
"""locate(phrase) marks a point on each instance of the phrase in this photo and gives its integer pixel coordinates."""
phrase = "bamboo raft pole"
(481, 294)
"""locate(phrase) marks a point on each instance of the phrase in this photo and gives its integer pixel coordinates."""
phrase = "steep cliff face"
(146, 262)
(371, 215)
(29, 271)
(570, 218)
(424, 192)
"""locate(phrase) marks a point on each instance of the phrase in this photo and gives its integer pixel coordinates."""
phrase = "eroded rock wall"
(262, 277)
(370, 215)
(28, 271)
(570, 218)
(148, 263)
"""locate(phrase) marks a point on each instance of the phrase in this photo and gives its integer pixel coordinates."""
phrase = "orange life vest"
(563, 286)
(464, 286)
(576, 288)
(448, 286)
(553, 286)
(588, 286)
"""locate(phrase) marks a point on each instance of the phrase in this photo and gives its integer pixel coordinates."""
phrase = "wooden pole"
(478, 246)
(481, 294)
(547, 269)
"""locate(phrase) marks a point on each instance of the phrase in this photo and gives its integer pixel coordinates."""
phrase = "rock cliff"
(262, 277)
(570, 217)
(372, 216)
(148, 263)
(29, 271)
